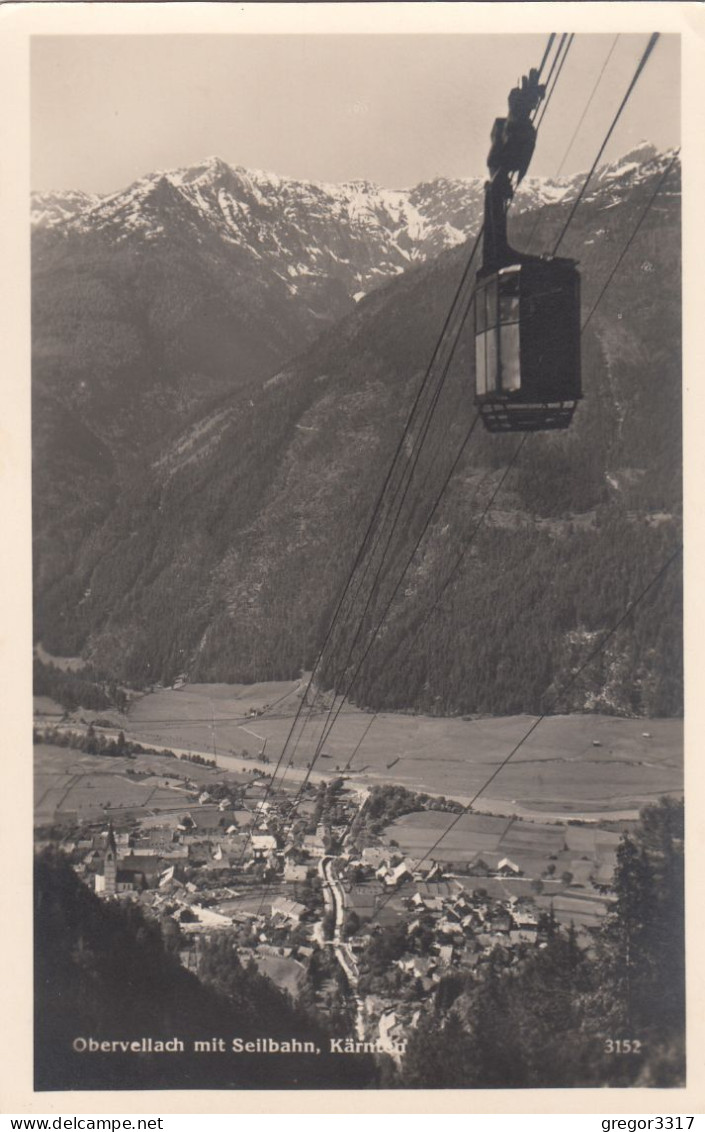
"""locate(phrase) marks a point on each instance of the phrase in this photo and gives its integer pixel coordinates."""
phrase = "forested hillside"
(223, 556)
(106, 972)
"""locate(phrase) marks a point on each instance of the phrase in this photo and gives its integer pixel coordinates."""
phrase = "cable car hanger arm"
(512, 145)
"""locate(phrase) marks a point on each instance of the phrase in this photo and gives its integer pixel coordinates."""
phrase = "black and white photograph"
(357, 557)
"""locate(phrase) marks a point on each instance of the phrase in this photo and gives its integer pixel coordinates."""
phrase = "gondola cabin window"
(497, 338)
(527, 345)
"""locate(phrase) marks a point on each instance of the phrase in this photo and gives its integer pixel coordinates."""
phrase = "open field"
(472, 834)
(531, 846)
(75, 785)
(582, 909)
(47, 708)
(286, 973)
(579, 765)
(65, 663)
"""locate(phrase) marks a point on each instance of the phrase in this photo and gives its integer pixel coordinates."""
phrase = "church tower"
(109, 886)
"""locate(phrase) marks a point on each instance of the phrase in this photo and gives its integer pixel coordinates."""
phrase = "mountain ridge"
(222, 554)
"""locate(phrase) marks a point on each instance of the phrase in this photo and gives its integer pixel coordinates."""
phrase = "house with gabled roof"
(314, 845)
(288, 909)
(417, 965)
(469, 923)
(295, 873)
(433, 873)
(397, 875)
(524, 918)
(448, 927)
(263, 844)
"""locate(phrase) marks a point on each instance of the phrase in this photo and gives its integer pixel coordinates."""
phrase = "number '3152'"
(622, 1045)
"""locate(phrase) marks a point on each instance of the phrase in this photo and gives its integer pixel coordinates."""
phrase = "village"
(311, 885)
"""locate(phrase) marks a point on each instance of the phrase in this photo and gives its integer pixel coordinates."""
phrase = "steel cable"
(653, 40)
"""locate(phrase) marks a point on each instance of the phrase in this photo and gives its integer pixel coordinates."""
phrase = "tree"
(352, 924)
(328, 925)
(643, 945)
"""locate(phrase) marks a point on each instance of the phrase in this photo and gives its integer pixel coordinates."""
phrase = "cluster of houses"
(165, 867)
(447, 928)
(393, 871)
(184, 867)
(252, 865)
(207, 836)
(160, 873)
(467, 924)
(447, 922)
(196, 867)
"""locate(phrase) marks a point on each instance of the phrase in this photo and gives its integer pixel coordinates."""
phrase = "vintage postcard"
(352, 354)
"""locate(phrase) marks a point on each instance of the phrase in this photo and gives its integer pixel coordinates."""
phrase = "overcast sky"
(391, 109)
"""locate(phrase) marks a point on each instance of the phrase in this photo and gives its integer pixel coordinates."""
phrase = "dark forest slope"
(103, 971)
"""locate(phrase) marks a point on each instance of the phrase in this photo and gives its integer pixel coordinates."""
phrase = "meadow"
(572, 765)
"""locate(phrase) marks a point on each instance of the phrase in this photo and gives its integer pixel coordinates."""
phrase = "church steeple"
(110, 864)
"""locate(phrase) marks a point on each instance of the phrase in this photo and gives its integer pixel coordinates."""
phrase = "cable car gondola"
(527, 307)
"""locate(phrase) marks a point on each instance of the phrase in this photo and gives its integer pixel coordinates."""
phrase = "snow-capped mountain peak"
(356, 232)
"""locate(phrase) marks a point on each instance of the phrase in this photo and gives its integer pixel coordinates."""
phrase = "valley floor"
(580, 766)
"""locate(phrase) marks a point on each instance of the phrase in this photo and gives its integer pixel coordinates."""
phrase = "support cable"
(549, 95)
(408, 476)
(447, 582)
(556, 57)
(360, 742)
(546, 53)
(537, 221)
(661, 181)
(463, 280)
(587, 106)
(653, 40)
(645, 56)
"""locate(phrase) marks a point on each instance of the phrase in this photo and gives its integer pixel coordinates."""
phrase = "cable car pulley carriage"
(527, 307)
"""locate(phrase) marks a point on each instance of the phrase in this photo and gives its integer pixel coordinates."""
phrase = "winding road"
(334, 897)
